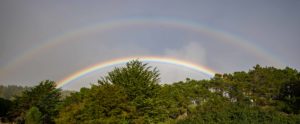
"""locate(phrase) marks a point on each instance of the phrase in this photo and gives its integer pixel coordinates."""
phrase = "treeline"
(132, 94)
(11, 91)
(8, 92)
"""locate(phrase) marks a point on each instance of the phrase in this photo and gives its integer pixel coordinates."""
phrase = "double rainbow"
(165, 22)
(79, 74)
(196, 27)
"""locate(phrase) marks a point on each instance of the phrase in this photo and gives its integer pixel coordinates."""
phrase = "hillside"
(132, 94)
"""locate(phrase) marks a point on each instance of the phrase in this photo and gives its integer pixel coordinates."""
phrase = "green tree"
(131, 94)
(44, 96)
(127, 95)
(33, 116)
(104, 103)
(5, 107)
(138, 79)
(71, 109)
(140, 83)
(289, 98)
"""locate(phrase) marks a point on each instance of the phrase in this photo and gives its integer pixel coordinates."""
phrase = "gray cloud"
(191, 51)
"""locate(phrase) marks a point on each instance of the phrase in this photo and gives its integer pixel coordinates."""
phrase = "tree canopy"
(134, 94)
(45, 97)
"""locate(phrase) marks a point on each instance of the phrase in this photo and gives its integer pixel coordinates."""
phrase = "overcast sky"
(260, 32)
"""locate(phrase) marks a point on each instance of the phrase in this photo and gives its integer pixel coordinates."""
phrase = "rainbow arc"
(83, 72)
(219, 35)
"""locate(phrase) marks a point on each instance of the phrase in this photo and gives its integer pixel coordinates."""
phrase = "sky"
(42, 40)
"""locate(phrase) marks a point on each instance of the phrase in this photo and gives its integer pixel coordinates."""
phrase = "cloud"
(192, 52)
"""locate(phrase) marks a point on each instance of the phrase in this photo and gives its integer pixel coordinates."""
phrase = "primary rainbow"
(168, 22)
(113, 62)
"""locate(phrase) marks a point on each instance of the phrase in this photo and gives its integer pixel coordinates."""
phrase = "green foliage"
(237, 114)
(140, 83)
(45, 97)
(138, 80)
(289, 97)
(126, 95)
(101, 104)
(33, 116)
(5, 107)
(132, 94)
(262, 95)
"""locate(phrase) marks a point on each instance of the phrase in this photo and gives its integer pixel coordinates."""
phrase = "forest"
(133, 94)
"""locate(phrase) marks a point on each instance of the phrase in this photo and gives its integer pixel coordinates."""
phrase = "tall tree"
(140, 83)
(138, 79)
(127, 94)
(45, 97)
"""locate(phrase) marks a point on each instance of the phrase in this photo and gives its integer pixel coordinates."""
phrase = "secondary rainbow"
(101, 65)
(168, 22)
